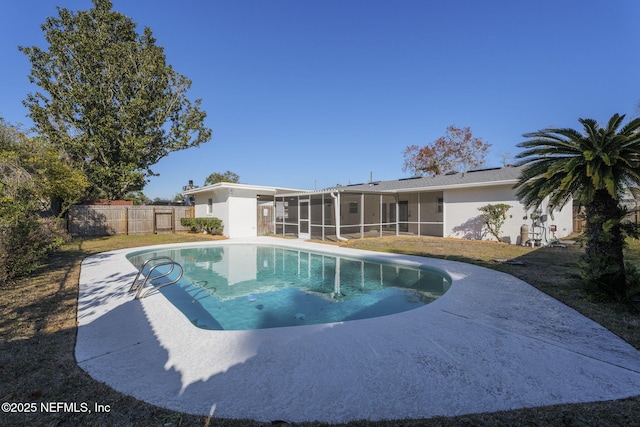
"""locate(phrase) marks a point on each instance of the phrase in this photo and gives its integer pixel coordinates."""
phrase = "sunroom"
(341, 213)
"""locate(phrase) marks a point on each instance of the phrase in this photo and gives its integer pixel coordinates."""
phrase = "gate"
(163, 222)
(266, 219)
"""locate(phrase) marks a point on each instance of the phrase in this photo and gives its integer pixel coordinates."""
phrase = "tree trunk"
(605, 244)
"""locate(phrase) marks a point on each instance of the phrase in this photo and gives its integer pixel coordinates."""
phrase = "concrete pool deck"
(491, 343)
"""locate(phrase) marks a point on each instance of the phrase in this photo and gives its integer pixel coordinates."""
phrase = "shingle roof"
(494, 176)
(475, 178)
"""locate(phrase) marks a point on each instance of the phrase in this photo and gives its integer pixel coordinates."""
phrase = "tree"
(109, 100)
(36, 174)
(595, 168)
(456, 148)
(31, 175)
(493, 218)
(216, 177)
(137, 197)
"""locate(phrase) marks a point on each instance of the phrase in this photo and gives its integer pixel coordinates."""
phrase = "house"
(442, 205)
(245, 210)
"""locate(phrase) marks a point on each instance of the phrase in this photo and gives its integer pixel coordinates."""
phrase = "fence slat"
(100, 220)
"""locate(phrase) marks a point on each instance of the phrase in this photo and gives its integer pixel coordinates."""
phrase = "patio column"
(397, 214)
(362, 215)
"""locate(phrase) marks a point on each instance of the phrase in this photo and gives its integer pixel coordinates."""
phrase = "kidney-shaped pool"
(252, 286)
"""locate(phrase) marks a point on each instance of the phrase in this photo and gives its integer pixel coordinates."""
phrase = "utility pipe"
(336, 204)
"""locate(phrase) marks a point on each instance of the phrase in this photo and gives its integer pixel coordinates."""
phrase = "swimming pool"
(491, 343)
(249, 286)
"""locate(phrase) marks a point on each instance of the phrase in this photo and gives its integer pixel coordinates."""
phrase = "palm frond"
(614, 122)
(561, 164)
(631, 127)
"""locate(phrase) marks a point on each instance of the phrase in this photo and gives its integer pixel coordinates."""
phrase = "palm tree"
(594, 168)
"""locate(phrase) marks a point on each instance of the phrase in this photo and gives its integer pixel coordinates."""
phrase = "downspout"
(336, 204)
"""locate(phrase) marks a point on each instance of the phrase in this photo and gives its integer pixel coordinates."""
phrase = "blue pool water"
(242, 286)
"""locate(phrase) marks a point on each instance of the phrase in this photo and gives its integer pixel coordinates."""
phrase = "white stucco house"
(237, 205)
(443, 205)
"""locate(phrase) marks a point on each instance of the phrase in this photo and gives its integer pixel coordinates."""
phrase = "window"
(440, 204)
(209, 206)
(353, 207)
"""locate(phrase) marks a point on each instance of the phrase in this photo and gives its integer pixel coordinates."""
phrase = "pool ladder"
(166, 261)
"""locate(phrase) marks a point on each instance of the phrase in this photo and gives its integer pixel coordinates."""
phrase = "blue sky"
(309, 94)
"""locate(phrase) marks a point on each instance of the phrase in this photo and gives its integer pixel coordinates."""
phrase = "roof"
(474, 178)
(508, 175)
(231, 185)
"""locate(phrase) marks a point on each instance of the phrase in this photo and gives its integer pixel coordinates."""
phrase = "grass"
(38, 332)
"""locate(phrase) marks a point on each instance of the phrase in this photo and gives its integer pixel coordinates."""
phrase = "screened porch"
(359, 214)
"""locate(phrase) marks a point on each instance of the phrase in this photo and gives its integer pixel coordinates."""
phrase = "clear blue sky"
(306, 94)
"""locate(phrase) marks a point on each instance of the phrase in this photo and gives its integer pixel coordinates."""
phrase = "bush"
(26, 242)
(493, 218)
(31, 175)
(206, 225)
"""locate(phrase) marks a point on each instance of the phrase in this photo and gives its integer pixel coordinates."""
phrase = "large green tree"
(595, 167)
(108, 98)
(227, 176)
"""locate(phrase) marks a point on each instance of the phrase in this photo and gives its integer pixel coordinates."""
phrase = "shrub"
(206, 225)
(26, 242)
(493, 218)
(31, 175)
(189, 222)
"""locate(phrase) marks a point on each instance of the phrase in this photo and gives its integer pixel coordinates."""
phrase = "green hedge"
(206, 225)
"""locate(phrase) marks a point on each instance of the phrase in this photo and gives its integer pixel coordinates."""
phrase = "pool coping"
(492, 342)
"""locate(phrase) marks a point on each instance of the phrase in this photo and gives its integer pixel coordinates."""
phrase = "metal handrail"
(144, 264)
(173, 264)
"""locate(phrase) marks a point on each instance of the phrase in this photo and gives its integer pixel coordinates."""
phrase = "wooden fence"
(99, 220)
(579, 221)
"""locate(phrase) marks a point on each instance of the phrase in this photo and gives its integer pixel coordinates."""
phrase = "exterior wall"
(243, 219)
(219, 205)
(563, 220)
(237, 208)
(220, 208)
(463, 220)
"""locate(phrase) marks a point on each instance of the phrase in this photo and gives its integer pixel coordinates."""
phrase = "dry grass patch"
(38, 332)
